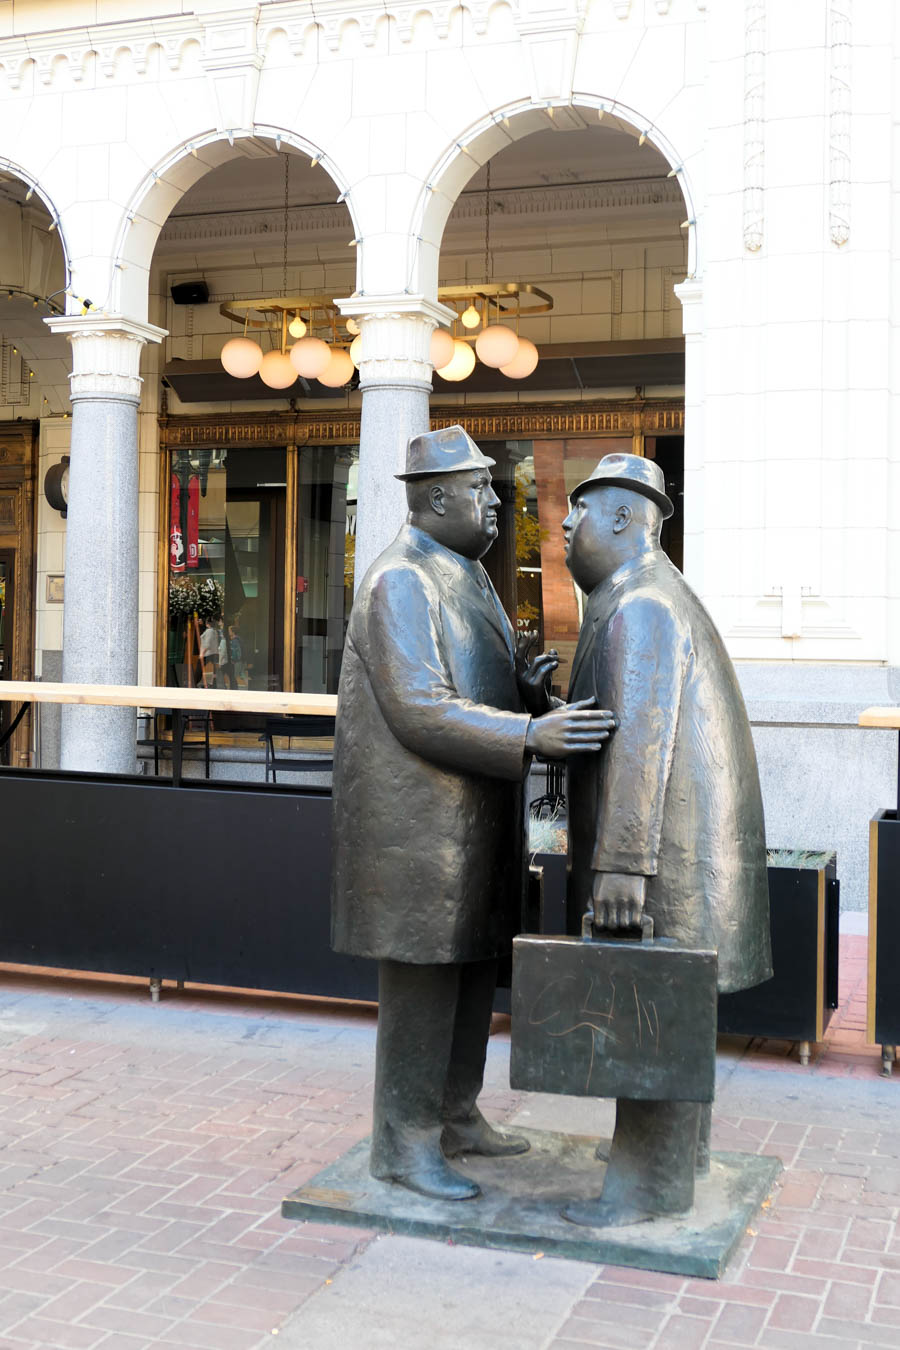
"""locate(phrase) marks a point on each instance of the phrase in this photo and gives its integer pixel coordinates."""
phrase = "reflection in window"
(326, 521)
(226, 569)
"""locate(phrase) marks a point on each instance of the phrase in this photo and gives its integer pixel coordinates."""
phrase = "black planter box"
(884, 934)
(797, 1003)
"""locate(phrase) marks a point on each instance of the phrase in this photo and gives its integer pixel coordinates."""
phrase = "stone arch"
(159, 191)
(492, 133)
(39, 191)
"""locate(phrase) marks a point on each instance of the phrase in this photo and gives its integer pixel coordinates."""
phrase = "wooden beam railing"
(200, 700)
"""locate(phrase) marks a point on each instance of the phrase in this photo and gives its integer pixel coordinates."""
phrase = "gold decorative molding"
(613, 417)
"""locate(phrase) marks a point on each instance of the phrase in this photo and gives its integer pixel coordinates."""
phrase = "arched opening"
(589, 211)
(34, 425)
(254, 491)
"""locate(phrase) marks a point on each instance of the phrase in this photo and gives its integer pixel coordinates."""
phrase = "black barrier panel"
(886, 921)
(206, 882)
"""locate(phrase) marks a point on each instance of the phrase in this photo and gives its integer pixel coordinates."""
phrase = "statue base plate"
(519, 1208)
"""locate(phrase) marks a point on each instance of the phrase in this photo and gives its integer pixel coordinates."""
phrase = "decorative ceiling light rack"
(321, 352)
(492, 307)
(497, 344)
(305, 317)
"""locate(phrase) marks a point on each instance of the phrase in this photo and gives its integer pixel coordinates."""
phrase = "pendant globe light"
(277, 371)
(309, 357)
(496, 345)
(524, 362)
(339, 369)
(241, 357)
(462, 364)
(443, 348)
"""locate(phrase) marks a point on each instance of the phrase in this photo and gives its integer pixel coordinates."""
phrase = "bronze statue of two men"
(439, 714)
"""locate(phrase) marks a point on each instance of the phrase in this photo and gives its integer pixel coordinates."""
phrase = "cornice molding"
(290, 21)
(610, 417)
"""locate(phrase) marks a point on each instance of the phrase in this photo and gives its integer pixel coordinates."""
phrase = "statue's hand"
(533, 676)
(575, 729)
(618, 899)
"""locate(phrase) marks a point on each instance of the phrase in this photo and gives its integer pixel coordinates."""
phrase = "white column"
(100, 620)
(395, 380)
(690, 293)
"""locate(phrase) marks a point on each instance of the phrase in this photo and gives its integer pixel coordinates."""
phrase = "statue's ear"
(623, 518)
(436, 499)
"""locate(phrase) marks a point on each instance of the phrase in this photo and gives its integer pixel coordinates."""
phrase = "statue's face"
(469, 512)
(590, 532)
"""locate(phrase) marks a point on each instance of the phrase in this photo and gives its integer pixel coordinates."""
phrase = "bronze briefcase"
(613, 1018)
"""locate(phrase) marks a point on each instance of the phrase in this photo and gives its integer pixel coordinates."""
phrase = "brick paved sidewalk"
(144, 1152)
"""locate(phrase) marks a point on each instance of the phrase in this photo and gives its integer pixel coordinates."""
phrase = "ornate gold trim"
(635, 418)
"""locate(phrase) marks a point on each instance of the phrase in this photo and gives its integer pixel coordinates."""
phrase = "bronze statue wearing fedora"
(436, 724)
(668, 822)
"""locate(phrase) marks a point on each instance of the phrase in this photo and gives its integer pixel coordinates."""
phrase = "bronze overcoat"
(429, 761)
(675, 795)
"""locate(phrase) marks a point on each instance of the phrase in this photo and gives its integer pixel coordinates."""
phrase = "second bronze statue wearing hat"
(434, 733)
(668, 822)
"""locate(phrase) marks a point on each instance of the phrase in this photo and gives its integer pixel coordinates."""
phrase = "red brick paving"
(140, 1189)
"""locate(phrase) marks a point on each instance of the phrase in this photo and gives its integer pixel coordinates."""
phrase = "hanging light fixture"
(310, 356)
(242, 357)
(276, 370)
(339, 369)
(524, 362)
(443, 348)
(498, 345)
(317, 354)
(462, 363)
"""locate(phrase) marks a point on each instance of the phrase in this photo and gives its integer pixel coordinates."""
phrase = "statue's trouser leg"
(653, 1158)
(703, 1139)
(471, 1031)
(416, 1018)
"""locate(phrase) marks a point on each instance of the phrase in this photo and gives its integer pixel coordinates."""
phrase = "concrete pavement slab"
(405, 1293)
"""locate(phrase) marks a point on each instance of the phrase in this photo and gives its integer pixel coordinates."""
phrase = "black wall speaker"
(190, 293)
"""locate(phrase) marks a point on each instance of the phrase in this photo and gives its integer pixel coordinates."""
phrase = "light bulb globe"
(339, 369)
(470, 318)
(277, 371)
(524, 362)
(352, 327)
(355, 352)
(241, 357)
(496, 346)
(443, 348)
(309, 357)
(297, 328)
(462, 364)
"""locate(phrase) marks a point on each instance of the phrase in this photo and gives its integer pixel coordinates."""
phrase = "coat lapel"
(464, 576)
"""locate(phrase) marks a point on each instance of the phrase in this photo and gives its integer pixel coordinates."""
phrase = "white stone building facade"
(743, 194)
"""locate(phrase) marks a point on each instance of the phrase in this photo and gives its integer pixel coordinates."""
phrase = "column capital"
(396, 336)
(690, 293)
(106, 353)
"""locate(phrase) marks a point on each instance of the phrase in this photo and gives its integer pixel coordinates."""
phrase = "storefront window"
(324, 564)
(226, 569)
(260, 568)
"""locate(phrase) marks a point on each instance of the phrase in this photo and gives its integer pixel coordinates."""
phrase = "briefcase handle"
(640, 932)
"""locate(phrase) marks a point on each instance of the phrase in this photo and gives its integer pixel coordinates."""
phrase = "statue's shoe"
(600, 1213)
(477, 1137)
(433, 1179)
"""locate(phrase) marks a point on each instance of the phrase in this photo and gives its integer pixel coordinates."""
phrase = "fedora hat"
(448, 450)
(633, 472)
